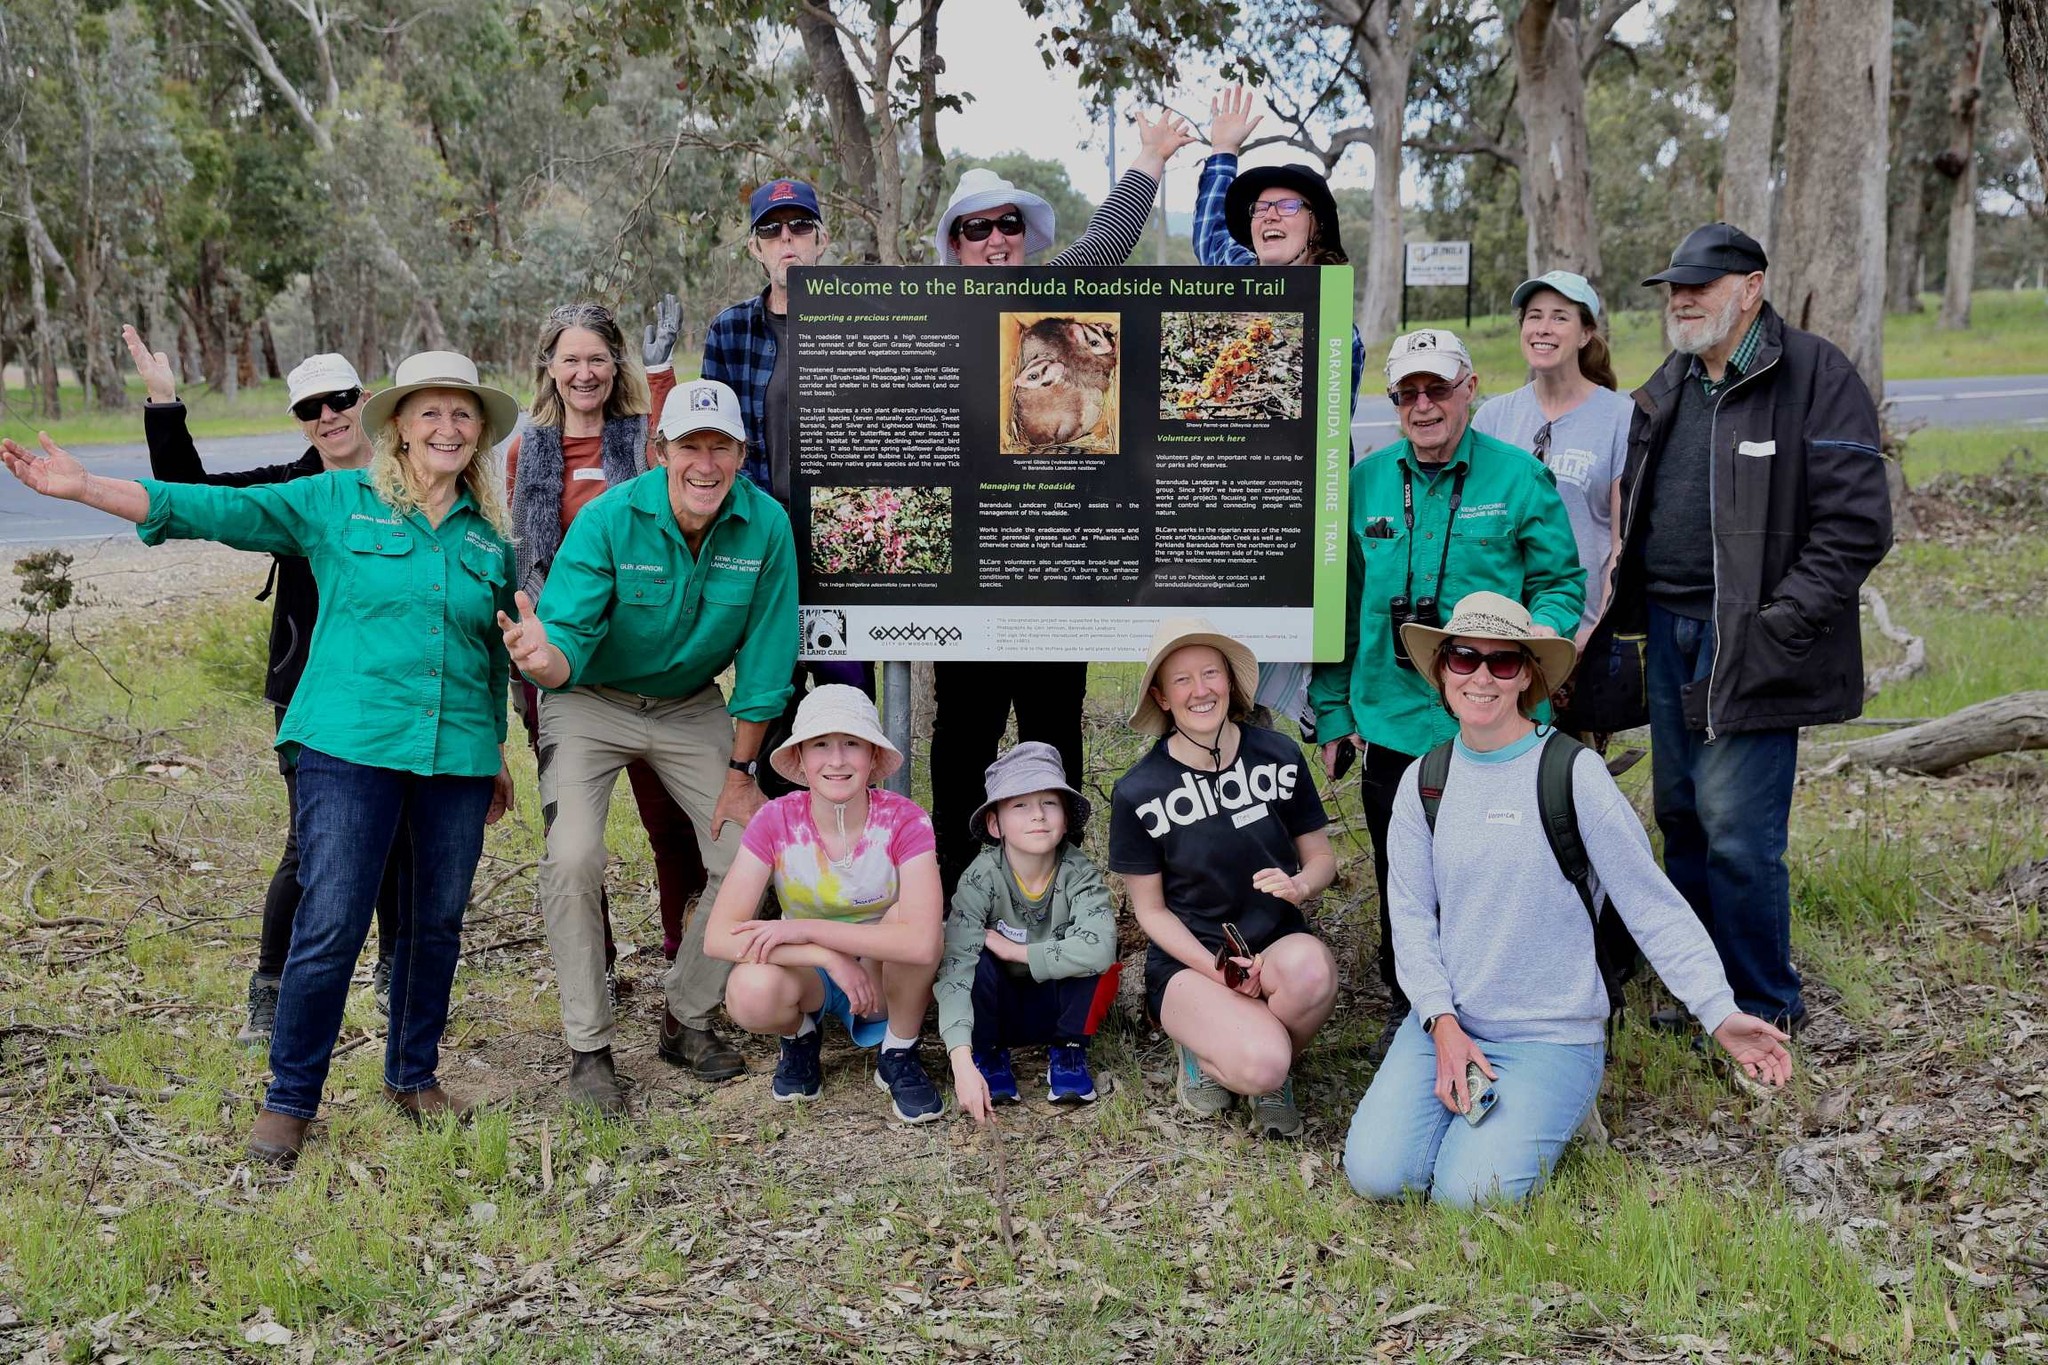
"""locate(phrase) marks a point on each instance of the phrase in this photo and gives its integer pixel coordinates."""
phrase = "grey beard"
(1697, 338)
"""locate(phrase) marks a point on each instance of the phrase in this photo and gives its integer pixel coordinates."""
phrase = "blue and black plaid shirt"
(739, 350)
(1215, 246)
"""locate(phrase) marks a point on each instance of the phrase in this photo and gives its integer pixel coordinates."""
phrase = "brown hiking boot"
(708, 1056)
(425, 1106)
(276, 1139)
(593, 1081)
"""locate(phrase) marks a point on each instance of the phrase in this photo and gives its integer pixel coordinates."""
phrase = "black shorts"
(1161, 968)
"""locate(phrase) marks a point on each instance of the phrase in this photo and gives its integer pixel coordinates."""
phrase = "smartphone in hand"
(1480, 1098)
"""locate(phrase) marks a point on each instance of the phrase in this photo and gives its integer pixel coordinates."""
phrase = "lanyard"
(1408, 521)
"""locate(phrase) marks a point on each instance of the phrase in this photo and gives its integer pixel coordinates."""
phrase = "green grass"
(2008, 334)
(715, 1225)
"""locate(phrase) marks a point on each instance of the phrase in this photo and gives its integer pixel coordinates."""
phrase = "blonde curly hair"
(394, 479)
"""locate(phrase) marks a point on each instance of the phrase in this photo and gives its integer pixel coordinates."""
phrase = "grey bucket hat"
(1032, 766)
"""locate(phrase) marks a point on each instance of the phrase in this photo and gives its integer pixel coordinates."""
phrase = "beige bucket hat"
(442, 370)
(835, 709)
(1175, 632)
(1490, 616)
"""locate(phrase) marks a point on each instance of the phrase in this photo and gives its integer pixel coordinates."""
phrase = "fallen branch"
(1915, 647)
(1000, 1187)
(2012, 723)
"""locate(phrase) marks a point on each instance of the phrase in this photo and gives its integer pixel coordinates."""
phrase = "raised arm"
(56, 473)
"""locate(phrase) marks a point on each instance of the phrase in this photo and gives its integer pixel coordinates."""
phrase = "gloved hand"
(658, 342)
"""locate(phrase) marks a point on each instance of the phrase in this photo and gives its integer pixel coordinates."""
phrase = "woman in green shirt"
(397, 729)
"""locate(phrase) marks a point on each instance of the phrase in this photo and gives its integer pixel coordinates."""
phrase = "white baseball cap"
(319, 374)
(701, 405)
(1428, 351)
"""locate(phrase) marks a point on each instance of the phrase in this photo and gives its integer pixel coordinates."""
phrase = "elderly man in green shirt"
(660, 585)
(1440, 513)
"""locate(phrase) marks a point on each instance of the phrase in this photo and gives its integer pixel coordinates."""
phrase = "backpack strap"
(1558, 810)
(1436, 766)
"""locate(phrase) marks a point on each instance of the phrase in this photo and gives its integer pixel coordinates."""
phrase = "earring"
(404, 447)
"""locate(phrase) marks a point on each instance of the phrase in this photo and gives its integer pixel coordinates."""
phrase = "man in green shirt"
(1440, 513)
(660, 585)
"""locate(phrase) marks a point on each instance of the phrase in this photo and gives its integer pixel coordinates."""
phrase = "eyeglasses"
(798, 227)
(1438, 393)
(1541, 445)
(978, 229)
(1284, 208)
(308, 409)
(1504, 664)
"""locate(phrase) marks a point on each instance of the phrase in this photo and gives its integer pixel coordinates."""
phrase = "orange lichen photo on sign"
(1059, 383)
(1230, 367)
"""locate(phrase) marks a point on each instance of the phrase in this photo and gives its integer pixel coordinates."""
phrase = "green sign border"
(1333, 462)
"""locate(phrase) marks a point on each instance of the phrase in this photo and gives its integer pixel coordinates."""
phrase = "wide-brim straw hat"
(835, 709)
(981, 190)
(1490, 616)
(1176, 632)
(1032, 766)
(442, 370)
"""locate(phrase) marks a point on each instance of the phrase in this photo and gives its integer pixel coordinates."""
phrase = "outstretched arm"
(56, 473)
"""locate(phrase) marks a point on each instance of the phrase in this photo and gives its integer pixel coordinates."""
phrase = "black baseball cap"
(1710, 252)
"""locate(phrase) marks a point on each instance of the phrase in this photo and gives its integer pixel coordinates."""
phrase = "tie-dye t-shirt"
(809, 886)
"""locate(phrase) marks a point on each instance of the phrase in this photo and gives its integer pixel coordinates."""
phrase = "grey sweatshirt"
(1512, 953)
(1069, 930)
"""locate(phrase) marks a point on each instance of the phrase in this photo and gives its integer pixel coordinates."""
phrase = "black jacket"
(1800, 518)
(174, 459)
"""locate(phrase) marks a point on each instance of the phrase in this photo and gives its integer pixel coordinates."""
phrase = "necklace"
(851, 844)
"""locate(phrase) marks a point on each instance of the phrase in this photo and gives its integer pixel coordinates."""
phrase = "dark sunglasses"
(1439, 393)
(1504, 664)
(308, 409)
(798, 227)
(1541, 445)
(1285, 208)
(978, 229)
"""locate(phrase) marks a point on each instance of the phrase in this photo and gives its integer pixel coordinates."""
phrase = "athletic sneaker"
(798, 1076)
(995, 1069)
(262, 1010)
(380, 985)
(911, 1092)
(1274, 1114)
(1196, 1090)
(1066, 1074)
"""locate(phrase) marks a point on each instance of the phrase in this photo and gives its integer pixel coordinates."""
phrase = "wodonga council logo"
(915, 635)
(824, 631)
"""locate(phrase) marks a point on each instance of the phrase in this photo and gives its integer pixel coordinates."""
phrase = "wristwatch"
(750, 766)
(1429, 1024)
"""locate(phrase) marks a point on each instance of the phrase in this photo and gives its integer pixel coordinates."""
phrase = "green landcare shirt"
(406, 669)
(1512, 537)
(630, 607)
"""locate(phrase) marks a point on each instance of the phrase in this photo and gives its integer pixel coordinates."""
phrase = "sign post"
(1435, 265)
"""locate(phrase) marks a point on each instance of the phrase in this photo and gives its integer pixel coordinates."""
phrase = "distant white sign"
(1434, 263)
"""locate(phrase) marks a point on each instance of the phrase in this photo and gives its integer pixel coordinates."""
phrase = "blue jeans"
(1404, 1141)
(350, 819)
(1723, 808)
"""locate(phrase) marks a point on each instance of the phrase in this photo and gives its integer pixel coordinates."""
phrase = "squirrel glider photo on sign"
(1062, 384)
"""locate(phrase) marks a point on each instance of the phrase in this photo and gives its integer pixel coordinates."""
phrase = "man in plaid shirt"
(745, 345)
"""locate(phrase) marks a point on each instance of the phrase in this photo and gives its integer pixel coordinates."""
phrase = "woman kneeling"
(1219, 831)
(1495, 946)
(854, 870)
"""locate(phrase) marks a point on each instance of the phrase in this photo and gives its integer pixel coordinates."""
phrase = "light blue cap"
(1574, 287)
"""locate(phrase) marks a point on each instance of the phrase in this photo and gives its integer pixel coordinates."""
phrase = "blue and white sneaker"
(798, 1075)
(1066, 1074)
(1002, 1081)
(911, 1092)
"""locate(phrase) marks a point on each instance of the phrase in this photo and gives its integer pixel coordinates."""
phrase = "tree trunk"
(1557, 180)
(1752, 120)
(850, 139)
(48, 404)
(1387, 37)
(2003, 725)
(1832, 279)
(271, 369)
(1912, 199)
(1965, 104)
(2026, 60)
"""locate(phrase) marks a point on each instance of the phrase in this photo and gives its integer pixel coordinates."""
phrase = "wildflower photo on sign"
(881, 530)
(1230, 366)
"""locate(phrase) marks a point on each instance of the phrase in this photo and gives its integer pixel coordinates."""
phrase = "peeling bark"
(1752, 120)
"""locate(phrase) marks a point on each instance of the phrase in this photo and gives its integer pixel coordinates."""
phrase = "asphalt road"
(25, 519)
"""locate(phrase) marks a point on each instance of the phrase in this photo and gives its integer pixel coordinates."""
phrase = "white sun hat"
(980, 190)
(835, 709)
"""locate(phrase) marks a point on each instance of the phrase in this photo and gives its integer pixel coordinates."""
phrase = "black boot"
(593, 1081)
(262, 1010)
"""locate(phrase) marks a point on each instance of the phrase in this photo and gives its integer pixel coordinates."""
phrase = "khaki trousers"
(587, 737)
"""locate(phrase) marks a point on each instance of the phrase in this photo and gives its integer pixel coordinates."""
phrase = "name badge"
(1015, 935)
(1756, 448)
(1503, 817)
(587, 475)
(1248, 816)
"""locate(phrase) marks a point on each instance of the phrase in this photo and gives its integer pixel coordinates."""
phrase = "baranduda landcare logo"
(915, 635)
(824, 631)
(704, 398)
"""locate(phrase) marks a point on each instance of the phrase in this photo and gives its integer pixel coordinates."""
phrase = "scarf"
(537, 490)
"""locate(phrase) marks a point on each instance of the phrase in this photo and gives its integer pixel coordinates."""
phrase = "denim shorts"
(864, 1032)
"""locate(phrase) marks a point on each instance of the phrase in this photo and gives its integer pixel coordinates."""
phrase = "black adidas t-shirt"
(1206, 833)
